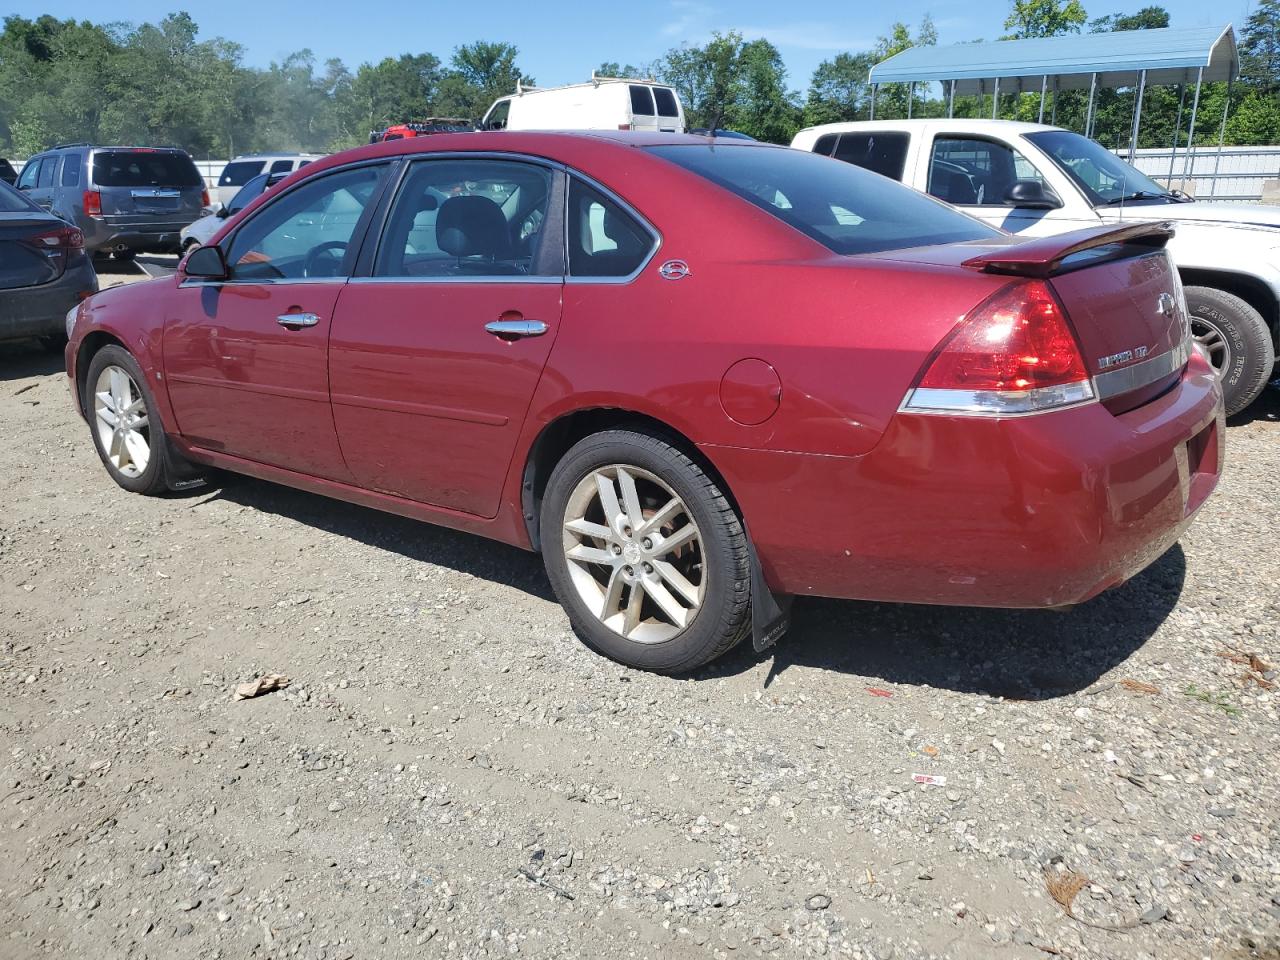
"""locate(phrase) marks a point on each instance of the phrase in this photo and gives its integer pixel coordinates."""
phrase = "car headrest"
(471, 227)
(620, 231)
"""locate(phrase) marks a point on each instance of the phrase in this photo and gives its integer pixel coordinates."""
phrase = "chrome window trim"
(279, 282)
(627, 208)
(498, 278)
(1114, 382)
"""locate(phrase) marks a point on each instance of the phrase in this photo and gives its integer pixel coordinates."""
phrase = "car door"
(977, 174)
(435, 354)
(246, 358)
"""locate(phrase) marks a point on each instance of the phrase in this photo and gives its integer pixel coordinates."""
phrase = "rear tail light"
(204, 197)
(624, 126)
(92, 202)
(59, 240)
(1014, 354)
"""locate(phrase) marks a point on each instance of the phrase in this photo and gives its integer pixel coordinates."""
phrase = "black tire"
(1243, 354)
(724, 616)
(152, 480)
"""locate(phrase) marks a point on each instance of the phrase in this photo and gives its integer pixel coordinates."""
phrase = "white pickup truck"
(1035, 179)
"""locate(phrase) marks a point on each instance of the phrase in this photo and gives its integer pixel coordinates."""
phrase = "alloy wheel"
(634, 553)
(120, 414)
(1211, 338)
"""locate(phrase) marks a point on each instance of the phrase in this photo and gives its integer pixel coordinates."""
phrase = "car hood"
(1254, 216)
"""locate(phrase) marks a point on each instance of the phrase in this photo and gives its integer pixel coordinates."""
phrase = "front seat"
(474, 230)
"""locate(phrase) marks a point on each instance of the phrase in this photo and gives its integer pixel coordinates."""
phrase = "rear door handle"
(295, 321)
(516, 329)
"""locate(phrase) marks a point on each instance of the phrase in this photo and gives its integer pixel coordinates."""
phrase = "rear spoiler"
(1045, 256)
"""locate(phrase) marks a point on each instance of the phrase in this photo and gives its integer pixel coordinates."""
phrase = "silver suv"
(124, 199)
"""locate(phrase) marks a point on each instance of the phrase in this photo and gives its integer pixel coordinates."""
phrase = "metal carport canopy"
(1170, 55)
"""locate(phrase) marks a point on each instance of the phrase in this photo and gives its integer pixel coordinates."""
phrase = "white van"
(605, 103)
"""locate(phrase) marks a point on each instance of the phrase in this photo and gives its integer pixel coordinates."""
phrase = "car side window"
(466, 218)
(884, 152)
(281, 166)
(826, 144)
(29, 174)
(604, 240)
(971, 172)
(47, 171)
(70, 170)
(308, 232)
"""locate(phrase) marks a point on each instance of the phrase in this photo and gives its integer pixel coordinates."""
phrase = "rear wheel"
(1238, 341)
(645, 553)
(122, 415)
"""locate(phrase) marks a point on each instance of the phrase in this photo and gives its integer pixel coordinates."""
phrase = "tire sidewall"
(690, 647)
(151, 479)
(1247, 337)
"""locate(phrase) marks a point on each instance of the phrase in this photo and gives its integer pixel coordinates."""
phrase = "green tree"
(839, 91)
(1044, 18)
(1260, 47)
(1148, 18)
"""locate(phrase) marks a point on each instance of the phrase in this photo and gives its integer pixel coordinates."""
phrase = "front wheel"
(645, 553)
(1238, 341)
(122, 415)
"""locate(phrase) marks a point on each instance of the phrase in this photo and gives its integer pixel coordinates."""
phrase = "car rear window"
(641, 102)
(666, 99)
(239, 172)
(11, 201)
(144, 168)
(843, 207)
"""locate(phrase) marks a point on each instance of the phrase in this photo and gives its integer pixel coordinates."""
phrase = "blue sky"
(561, 42)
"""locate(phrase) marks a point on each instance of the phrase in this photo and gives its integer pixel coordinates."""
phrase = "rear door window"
(883, 153)
(46, 172)
(469, 218)
(641, 102)
(666, 100)
(71, 170)
(239, 172)
(604, 240)
(826, 144)
(144, 168)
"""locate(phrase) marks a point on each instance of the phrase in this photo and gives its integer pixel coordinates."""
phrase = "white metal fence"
(1236, 176)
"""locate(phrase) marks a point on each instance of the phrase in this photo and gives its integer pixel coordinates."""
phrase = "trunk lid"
(1122, 297)
(25, 260)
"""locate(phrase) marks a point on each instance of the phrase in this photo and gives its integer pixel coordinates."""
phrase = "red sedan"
(699, 376)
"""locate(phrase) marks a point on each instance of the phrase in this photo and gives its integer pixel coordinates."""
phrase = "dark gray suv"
(124, 199)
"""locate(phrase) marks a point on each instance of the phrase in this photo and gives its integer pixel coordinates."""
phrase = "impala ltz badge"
(1124, 356)
(674, 270)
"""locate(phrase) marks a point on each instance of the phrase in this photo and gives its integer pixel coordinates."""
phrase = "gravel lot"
(452, 774)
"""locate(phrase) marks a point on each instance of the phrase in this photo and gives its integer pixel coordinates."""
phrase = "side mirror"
(223, 213)
(206, 263)
(1032, 195)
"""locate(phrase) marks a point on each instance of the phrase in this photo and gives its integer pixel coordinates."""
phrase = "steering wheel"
(318, 254)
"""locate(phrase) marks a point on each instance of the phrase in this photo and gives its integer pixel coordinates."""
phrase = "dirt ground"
(450, 773)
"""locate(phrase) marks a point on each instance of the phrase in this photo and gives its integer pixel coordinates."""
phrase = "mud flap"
(179, 472)
(770, 613)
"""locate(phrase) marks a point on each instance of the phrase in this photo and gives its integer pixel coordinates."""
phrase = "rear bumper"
(133, 233)
(1037, 511)
(41, 311)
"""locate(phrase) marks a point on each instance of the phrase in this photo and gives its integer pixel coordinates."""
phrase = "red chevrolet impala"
(700, 376)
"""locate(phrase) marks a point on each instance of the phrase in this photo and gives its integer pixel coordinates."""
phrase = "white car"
(202, 231)
(243, 169)
(605, 103)
(1036, 179)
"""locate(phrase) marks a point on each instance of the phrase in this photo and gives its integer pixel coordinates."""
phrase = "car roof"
(273, 156)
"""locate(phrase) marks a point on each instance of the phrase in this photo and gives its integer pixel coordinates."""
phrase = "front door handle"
(296, 321)
(516, 329)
